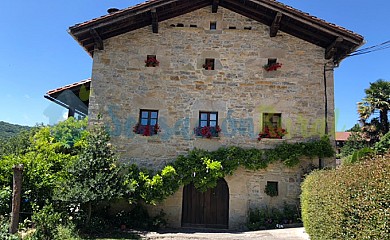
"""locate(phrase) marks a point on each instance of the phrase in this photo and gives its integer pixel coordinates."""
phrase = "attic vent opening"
(193, 25)
(232, 27)
(248, 28)
(180, 25)
(213, 25)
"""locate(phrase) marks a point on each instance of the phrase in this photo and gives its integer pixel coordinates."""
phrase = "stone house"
(222, 68)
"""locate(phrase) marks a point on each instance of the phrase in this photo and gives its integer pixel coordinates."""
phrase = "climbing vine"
(204, 168)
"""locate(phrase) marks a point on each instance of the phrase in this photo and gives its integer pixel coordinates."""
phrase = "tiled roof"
(70, 86)
(311, 28)
(342, 136)
(286, 7)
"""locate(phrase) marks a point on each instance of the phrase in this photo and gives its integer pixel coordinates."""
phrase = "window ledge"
(200, 137)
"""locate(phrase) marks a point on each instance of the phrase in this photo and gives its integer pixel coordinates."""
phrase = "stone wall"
(239, 89)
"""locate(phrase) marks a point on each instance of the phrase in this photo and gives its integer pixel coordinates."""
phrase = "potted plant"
(272, 66)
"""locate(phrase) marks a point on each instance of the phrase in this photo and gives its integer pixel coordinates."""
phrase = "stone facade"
(239, 89)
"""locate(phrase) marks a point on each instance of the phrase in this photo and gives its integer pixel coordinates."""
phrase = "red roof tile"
(68, 86)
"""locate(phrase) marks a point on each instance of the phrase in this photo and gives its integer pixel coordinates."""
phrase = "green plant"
(66, 232)
(94, 177)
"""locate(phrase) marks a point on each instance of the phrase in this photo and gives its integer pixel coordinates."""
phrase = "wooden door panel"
(208, 209)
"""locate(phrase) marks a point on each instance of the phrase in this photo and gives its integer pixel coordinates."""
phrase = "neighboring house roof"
(338, 41)
(73, 96)
(342, 136)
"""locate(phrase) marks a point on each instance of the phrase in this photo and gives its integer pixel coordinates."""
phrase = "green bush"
(348, 203)
(46, 221)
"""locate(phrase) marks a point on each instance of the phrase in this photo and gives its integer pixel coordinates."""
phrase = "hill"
(8, 130)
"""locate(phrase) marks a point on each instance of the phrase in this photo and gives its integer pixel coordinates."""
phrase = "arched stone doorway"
(208, 209)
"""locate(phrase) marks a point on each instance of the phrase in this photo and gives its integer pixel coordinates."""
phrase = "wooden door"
(208, 209)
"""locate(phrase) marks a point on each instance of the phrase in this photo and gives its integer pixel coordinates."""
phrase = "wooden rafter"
(154, 20)
(98, 42)
(215, 6)
(275, 25)
(332, 48)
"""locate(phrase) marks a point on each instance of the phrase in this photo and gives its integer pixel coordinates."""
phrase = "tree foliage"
(376, 101)
(8, 130)
(94, 175)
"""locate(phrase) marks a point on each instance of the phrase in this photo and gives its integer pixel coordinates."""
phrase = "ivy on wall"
(204, 168)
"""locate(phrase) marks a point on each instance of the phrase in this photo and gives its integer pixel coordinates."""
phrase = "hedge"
(352, 202)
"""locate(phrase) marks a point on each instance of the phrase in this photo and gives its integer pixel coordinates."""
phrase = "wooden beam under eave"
(273, 30)
(98, 42)
(332, 48)
(154, 20)
(215, 6)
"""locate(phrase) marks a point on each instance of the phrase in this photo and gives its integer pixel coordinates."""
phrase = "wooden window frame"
(147, 125)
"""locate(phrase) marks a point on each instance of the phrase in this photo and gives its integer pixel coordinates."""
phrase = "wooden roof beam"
(275, 25)
(98, 42)
(215, 6)
(332, 48)
(154, 20)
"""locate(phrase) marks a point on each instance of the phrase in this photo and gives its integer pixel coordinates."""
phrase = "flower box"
(272, 132)
(146, 130)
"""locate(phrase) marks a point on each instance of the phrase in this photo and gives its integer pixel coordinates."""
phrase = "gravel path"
(277, 234)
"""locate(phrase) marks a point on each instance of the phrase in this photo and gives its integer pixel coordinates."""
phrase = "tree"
(94, 177)
(377, 100)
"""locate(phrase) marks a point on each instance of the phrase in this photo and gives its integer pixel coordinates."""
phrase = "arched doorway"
(208, 209)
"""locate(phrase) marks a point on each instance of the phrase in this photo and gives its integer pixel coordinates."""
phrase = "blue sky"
(37, 54)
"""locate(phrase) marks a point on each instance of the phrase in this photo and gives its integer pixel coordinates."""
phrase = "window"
(271, 189)
(232, 27)
(193, 25)
(148, 123)
(272, 126)
(151, 61)
(213, 25)
(247, 28)
(273, 120)
(208, 125)
(209, 64)
(209, 119)
(180, 25)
